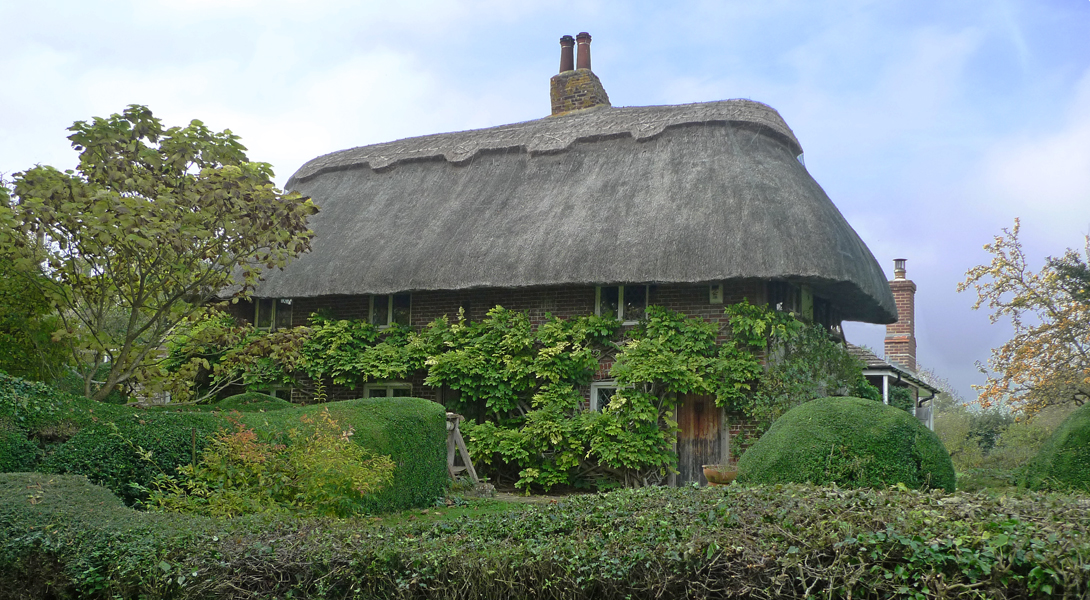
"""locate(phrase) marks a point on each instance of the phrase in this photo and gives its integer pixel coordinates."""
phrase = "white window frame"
(272, 320)
(389, 308)
(620, 301)
(595, 387)
(389, 387)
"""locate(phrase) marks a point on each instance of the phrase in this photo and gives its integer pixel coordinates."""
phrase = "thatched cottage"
(593, 208)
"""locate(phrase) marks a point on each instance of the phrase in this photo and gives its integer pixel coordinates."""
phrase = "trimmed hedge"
(412, 431)
(72, 539)
(851, 442)
(106, 451)
(85, 437)
(1064, 460)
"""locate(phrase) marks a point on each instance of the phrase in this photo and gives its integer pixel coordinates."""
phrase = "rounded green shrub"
(851, 442)
(1064, 459)
(252, 402)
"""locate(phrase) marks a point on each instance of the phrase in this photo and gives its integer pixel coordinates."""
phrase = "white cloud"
(1043, 175)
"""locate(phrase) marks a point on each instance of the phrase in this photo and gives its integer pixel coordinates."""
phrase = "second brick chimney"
(578, 88)
(900, 343)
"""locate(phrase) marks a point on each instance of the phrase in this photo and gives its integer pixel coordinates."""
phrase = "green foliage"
(251, 402)
(63, 536)
(1064, 460)
(491, 362)
(901, 397)
(17, 452)
(320, 471)
(106, 442)
(803, 363)
(152, 224)
(411, 431)
(851, 442)
(27, 323)
(125, 454)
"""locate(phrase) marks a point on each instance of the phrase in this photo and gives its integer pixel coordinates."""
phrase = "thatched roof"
(692, 193)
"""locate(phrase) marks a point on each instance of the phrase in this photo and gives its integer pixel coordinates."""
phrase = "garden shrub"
(125, 454)
(251, 402)
(319, 471)
(851, 442)
(17, 452)
(102, 440)
(411, 431)
(67, 539)
(1064, 460)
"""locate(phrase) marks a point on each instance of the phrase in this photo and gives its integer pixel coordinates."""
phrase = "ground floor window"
(600, 393)
(387, 390)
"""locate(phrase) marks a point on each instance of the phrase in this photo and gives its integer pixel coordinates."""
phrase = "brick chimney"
(901, 336)
(578, 88)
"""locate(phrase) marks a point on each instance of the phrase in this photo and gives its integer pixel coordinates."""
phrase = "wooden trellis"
(456, 445)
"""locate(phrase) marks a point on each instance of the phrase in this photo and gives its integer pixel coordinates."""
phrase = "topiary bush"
(1064, 459)
(252, 402)
(851, 442)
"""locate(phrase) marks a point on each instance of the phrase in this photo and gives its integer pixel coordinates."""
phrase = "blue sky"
(931, 125)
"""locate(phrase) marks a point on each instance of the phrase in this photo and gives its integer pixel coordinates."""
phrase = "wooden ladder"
(455, 444)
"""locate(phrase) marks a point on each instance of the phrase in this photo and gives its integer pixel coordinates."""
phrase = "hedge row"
(61, 536)
(45, 430)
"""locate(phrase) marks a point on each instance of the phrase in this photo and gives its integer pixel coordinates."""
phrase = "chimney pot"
(898, 268)
(567, 61)
(583, 39)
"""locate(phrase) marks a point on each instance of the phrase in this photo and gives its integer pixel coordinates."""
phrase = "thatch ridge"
(688, 194)
(551, 134)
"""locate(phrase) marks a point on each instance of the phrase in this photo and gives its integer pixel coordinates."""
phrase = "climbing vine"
(524, 387)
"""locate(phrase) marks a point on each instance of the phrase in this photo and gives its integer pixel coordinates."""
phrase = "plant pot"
(720, 474)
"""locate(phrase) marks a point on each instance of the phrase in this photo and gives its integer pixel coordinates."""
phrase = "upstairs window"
(390, 309)
(626, 302)
(272, 313)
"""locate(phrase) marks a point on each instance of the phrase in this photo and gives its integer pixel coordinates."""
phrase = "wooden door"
(701, 439)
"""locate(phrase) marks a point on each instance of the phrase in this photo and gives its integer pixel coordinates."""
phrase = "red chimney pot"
(583, 39)
(567, 62)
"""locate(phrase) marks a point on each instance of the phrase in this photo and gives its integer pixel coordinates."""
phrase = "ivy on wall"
(525, 387)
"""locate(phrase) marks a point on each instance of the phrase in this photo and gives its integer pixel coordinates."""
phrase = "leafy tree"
(153, 224)
(1047, 362)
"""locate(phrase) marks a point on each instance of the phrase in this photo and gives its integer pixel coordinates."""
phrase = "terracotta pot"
(720, 474)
